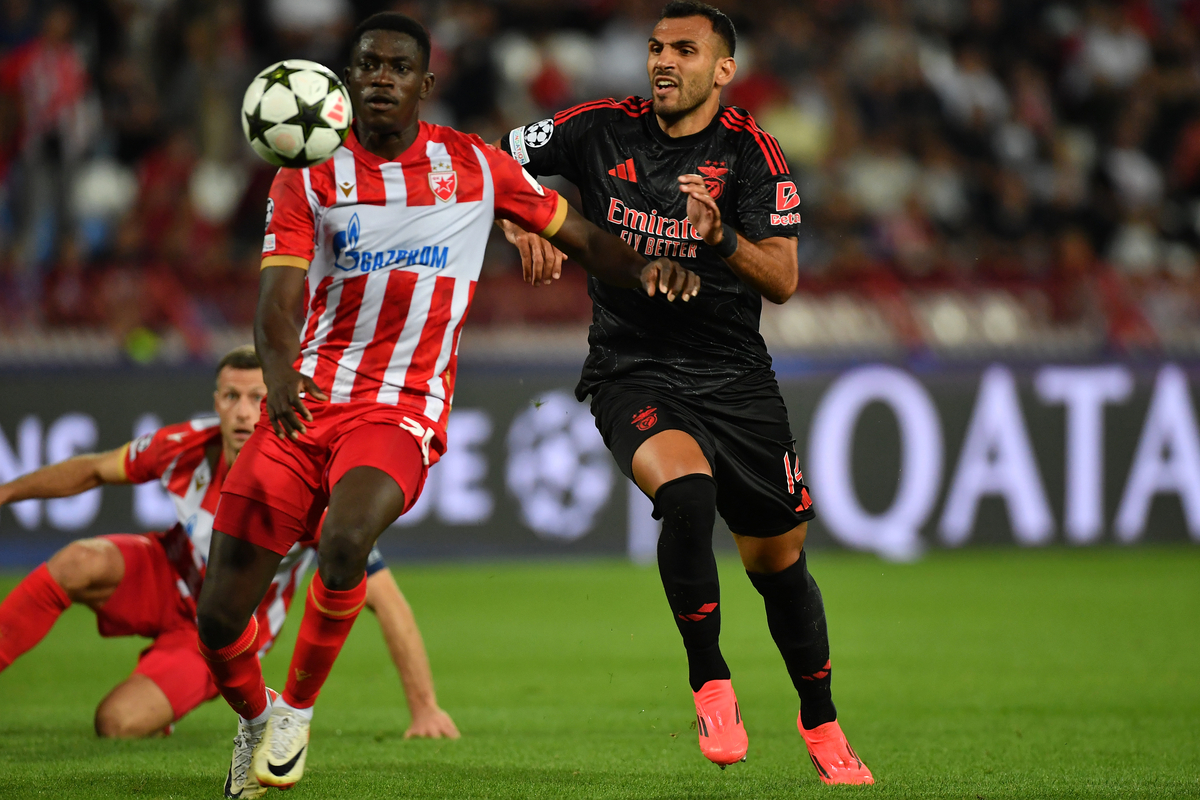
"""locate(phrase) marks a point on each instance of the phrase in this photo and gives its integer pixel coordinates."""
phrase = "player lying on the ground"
(145, 585)
(685, 398)
(383, 245)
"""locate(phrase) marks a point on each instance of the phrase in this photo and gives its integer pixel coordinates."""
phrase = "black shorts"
(743, 431)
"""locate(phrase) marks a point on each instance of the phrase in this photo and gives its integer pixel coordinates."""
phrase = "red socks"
(328, 618)
(237, 673)
(28, 614)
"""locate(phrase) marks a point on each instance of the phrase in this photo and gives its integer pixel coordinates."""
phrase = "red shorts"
(148, 602)
(276, 491)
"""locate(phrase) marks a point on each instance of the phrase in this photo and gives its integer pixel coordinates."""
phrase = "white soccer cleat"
(241, 783)
(279, 758)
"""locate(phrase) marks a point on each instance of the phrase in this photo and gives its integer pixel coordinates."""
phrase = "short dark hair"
(242, 357)
(721, 24)
(400, 23)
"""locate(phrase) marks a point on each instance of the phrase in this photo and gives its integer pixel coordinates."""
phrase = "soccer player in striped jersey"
(145, 585)
(382, 245)
(686, 400)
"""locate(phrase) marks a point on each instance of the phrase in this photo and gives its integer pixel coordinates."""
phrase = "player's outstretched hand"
(541, 262)
(285, 408)
(702, 210)
(432, 724)
(667, 277)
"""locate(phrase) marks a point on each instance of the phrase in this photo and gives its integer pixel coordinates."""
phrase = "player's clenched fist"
(667, 277)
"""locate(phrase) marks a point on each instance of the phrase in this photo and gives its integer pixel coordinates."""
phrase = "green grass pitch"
(976, 674)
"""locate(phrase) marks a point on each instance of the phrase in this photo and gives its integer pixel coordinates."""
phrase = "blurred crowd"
(975, 174)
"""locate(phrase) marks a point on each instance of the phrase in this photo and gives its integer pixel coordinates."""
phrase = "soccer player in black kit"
(684, 394)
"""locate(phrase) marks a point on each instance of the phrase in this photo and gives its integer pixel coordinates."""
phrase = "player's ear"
(427, 84)
(726, 69)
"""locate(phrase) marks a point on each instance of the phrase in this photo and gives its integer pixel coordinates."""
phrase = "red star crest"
(443, 184)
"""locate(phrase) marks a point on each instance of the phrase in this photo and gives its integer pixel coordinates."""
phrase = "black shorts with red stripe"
(741, 428)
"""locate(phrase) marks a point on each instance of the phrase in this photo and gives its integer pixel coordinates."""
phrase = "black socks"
(688, 509)
(796, 617)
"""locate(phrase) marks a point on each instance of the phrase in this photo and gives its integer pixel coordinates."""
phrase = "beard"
(690, 96)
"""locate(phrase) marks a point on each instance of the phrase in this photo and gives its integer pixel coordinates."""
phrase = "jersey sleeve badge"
(520, 140)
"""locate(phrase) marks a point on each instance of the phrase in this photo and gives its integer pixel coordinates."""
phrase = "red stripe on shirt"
(369, 183)
(451, 372)
(317, 309)
(340, 333)
(769, 145)
(321, 179)
(416, 182)
(629, 105)
(397, 297)
(420, 368)
(183, 471)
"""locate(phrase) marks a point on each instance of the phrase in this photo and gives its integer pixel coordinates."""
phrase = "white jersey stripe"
(440, 161)
(406, 345)
(394, 188)
(436, 399)
(345, 181)
(364, 333)
(308, 358)
(489, 188)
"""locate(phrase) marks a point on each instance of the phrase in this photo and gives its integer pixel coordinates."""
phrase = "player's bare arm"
(403, 639)
(770, 265)
(277, 340)
(67, 478)
(615, 262)
(541, 262)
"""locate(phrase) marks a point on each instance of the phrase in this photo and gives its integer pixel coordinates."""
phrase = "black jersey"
(627, 171)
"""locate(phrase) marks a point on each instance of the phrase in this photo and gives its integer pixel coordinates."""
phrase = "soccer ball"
(296, 113)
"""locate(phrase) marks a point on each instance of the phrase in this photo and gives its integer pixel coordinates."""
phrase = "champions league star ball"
(296, 113)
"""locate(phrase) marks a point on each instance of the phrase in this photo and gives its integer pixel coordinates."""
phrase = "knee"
(687, 506)
(217, 627)
(343, 551)
(114, 723)
(79, 566)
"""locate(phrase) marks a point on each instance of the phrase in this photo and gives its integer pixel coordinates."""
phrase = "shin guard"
(688, 508)
(796, 617)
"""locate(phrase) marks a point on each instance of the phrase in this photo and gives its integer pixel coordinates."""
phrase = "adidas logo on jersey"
(624, 171)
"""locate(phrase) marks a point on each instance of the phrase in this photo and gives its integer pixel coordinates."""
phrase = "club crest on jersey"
(645, 419)
(713, 172)
(444, 183)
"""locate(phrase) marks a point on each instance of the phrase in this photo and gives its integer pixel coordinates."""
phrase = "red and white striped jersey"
(189, 461)
(393, 251)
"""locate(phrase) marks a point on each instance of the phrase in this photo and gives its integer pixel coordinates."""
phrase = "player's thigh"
(376, 474)
(88, 570)
(238, 575)
(653, 438)
(760, 487)
(136, 707)
(146, 601)
(171, 679)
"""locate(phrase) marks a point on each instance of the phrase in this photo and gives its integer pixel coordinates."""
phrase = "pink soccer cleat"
(719, 724)
(832, 755)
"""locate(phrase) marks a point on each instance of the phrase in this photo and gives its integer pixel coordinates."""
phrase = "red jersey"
(189, 461)
(394, 250)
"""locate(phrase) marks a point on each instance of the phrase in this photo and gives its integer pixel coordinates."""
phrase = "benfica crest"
(444, 184)
(713, 180)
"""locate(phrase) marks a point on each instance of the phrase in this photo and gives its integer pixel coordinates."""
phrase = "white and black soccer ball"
(296, 113)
